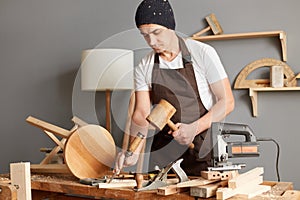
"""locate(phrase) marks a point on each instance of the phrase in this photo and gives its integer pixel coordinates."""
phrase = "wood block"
(276, 76)
(195, 182)
(20, 176)
(7, 191)
(217, 175)
(206, 191)
(183, 186)
(245, 177)
(291, 194)
(171, 189)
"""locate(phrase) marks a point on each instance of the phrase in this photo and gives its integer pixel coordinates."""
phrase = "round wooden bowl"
(90, 152)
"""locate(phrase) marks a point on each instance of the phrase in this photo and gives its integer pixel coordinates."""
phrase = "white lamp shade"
(107, 69)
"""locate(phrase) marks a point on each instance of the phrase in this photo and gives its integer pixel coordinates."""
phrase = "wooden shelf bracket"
(254, 99)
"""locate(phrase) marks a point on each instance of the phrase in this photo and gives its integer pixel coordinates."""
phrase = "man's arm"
(223, 106)
(138, 124)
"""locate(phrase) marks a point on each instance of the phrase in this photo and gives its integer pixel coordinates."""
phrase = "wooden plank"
(245, 177)
(206, 191)
(179, 187)
(115, 183)
(291, 194)
(58, 185)
(280, 34)
(195, 182)
(250, 192)
(8, 192)
(48, 127)
(171, 189)
(20, 176)
(50, 168)
(247, 188)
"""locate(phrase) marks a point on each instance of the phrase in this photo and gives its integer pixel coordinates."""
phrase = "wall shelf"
(253, 94)
(280, 34)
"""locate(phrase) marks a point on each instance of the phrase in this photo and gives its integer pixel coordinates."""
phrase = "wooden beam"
(206, 191)
(20, 177)
(244, 178)
(171, 189)
(183, 186)
(48, 127)
(50, 168)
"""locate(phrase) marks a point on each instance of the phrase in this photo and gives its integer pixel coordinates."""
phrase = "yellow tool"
(161, 115)
(131, 148)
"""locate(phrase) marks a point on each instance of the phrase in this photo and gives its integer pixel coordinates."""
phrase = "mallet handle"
(174, 128)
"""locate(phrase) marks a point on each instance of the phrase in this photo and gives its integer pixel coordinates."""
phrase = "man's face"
(158, 37)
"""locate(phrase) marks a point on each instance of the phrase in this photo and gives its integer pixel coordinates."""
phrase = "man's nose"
(152, 40)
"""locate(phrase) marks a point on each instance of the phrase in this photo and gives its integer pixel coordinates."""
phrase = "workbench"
(68, 188)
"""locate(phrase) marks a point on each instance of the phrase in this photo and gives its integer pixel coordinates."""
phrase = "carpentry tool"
(219, 133)
(161, 115)
(131, 148)
(160, 180)
(242, 82)
(214, 25)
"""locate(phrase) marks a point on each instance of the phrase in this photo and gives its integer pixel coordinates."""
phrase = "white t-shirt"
(206, 63)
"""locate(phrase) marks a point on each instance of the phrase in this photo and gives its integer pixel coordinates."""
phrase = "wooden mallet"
(214, 25)
(161, 115)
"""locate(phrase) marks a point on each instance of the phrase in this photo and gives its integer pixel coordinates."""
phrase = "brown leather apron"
(179, 87)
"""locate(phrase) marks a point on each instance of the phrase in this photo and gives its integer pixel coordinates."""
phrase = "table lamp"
(107, 70)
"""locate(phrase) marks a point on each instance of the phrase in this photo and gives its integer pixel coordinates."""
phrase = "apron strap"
(186, 56)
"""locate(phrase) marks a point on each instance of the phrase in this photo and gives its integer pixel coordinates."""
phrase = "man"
(190, 76)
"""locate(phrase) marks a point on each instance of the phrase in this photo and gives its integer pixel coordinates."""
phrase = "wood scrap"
(171, 189)
(245, 185)
(206, 191)
(291, 194)
(179, 187)
(245, 177)
(245, 191)
(118, 184)
(8, 191)
(20, 177)
(217, 175)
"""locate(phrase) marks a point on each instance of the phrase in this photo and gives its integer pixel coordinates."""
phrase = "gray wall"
(40, 48)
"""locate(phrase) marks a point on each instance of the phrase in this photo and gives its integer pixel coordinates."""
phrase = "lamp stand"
(107, 104)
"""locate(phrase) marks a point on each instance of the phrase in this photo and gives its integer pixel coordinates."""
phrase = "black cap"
(155, 12)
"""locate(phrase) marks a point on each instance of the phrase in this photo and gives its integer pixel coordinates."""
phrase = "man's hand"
(129, 161)
(185, 133)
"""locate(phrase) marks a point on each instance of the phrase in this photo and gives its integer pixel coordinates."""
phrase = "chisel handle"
(174, 128)
(134, 144)
(130, 150)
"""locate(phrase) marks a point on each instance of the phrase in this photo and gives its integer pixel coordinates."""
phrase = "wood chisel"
(131, 149)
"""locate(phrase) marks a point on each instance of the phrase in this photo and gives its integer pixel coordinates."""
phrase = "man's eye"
(156, 32)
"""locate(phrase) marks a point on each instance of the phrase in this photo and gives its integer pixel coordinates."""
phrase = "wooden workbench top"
(68, 188)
